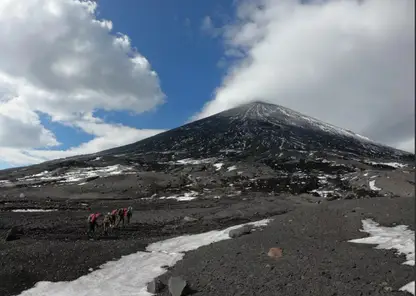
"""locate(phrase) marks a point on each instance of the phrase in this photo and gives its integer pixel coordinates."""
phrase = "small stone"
(246, 229)
(275, 253)
(176, 286)
(155, 286)
(388, 289)
(22, 195)
(189, 219)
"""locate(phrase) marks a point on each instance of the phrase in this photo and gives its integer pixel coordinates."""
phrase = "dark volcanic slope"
(258, 128)
(254, 148)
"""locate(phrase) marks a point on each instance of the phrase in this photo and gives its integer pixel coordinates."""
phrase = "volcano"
(256, 129)
(255, 141)
(250, 163)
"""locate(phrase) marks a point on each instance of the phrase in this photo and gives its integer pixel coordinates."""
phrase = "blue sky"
(169, 35)
(98, 77)
(185, 57)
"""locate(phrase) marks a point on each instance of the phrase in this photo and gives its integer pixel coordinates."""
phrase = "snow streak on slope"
(33, 210)
(129, 275)
(399, 237)
(276, 114)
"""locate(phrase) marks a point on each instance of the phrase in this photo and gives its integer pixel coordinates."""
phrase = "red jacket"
(94, 217)
(125, 211)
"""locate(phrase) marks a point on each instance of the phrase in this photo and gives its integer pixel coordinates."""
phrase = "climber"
(121, 214)
(106, 223)
(129, 213)
(113, 217)
(92, 223)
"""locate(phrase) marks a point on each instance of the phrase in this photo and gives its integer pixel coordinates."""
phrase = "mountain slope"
(256, 147)
(256, 128)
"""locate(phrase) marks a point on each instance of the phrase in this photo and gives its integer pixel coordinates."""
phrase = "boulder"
(246, 229)
(176, 286)
(275, 253)
(189, 219)
(350, 195)
(155, 286)
(13, 233)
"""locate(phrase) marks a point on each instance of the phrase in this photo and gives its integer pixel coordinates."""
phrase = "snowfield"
(399, 238)
(73, 175)
(129, 275)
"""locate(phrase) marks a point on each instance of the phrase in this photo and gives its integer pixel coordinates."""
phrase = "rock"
(189, 219)
(22, 195)
(350, 195)
(176, 286)
(155, 286)
(13, 233)
(275, 253)
(246, 229)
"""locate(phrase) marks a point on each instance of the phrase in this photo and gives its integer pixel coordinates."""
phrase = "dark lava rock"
(13, 233)
(176, 286)
(246, 229)
(155, 286)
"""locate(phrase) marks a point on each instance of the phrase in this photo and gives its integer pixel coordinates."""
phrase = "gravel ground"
(317, 259)
(55, 246)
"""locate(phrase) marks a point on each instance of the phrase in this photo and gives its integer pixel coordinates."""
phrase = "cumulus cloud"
(104, 139)
(57, 58)
(349, 63)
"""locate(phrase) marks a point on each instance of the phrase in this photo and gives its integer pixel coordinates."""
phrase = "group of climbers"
(111, 220)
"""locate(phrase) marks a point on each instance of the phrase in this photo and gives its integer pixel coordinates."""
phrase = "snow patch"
(231, 168)
(399, 238)
(5, 183)
(191, 242)
(33, 210)
(323, 193)
(129, 275)
(186, 197)
(194, 161)
(79, 174)
(218, 166)
(391, 164)
(373, 186)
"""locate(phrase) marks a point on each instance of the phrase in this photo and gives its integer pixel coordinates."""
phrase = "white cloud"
(58, 59)
(208, 27)
(349, 63)
(104, 139)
